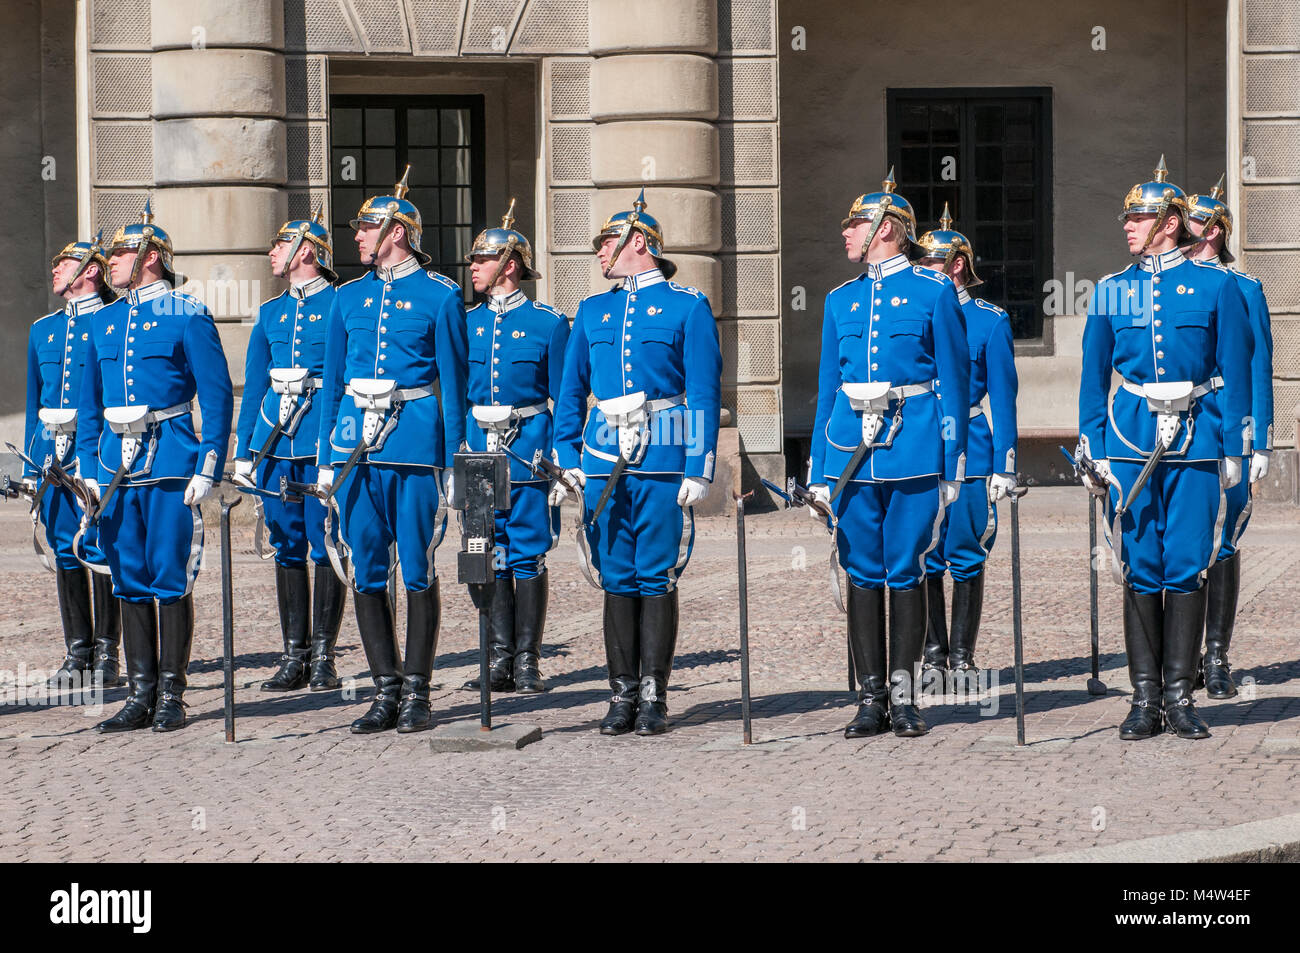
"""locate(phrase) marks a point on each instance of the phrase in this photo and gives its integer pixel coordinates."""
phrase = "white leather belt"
(500, 422)
(872, 400)
(377, 398)
(397, 395)
(293, 380)
(62, 423)
(1171, 402)
(1200, 390)
(631, 415)
(131, 422)
(976, 410)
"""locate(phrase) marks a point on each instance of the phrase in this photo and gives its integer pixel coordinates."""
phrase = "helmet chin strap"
(288, 259)
(509, 250)
(1159, 219)
(878, 221)
(85, 262)
(141, 252)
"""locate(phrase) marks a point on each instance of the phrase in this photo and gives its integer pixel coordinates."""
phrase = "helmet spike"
(1217, 192)
(318, 216)
(638, 206)
(889, 183)
(945, 220)
(1162, 172)
(402, 187)
(146, 217)
(508, 220)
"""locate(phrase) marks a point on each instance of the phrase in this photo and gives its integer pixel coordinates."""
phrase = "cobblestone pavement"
(298, 785)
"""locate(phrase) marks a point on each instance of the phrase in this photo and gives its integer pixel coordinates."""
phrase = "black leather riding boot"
(622, 653)
(907, 624)
(423, 614)
(658, 631)
(375, 623)
(1223, 584)
(530, 619)
(1144, 628)
(108, 630)
(78, 631)
(501, 635)
(175, 638)
(291, 589)
(328, 597)
(967, 606)
(1184, 622)
(867, 641)
(936, 634)
(140, 640)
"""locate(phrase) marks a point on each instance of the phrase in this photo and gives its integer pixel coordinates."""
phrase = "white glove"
(244, 471)
(92, 489)
(31, 483)
(822, 493)
(1229, 472)
(1000, 485)
(324, 479)
(448, 483)
(198, 490)
(559, 491)
(948, 490)
(1103, 467)
(1259, 461)
(694, 489)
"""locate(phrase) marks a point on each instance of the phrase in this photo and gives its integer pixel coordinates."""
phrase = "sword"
(228, 619)
(1016, 493)
(850, 469)
(605, 494)
(540, 466)
(12, 491)
(742, 568)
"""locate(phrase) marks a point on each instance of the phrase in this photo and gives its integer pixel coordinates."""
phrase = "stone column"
(219, 149)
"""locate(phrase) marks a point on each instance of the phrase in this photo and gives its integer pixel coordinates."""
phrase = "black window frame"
(964, 213)
(476, 105)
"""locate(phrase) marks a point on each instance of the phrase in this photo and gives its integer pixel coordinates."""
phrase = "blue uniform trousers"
(886, 529)
(62, 518)
(1237, 515)
(970, 527)
(642, 540)
(1168, 537)
(383, 504)
(525, 532)
(154, 542)
(297, 529)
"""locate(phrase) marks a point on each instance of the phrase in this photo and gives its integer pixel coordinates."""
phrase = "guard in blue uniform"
(56, 357)
(892, 445)
(279, 424)
(1210, 220)
(151, 353)
(1174, 331)
(516, 358)
(648, 351)
(394, 334)
(970, 525)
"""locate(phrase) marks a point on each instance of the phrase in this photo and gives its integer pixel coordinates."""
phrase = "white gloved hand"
(31, 483)
(324, 479)
(1000, 485)
(559, 491)
(244, 471)
(948, 490)
(822, 493)
(1229, 472)
(694, 489)
(198, 490)
(1259, 463)
(448, 483)
(1103, 467)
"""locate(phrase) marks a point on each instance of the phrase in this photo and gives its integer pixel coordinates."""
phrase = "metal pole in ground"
(228, 617)
(743, 576)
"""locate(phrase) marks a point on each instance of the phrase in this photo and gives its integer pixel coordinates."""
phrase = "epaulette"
(938, 276)
(439, 277)
(1243, 274)
(547, 308)
(844, 284)
(352, 281)
(989, 306)
(272, 298)
(686, 289)
(1115, 274)
(194, 305)
(1208, 264)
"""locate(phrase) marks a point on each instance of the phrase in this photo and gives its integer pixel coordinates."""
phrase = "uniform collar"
(503, 303)
(963, 296)
(86, 304)
(1214, 260)
(643, 280)
(308, 288)
(403, 268)
(890, 266)
(1162, 262)
(154, 289)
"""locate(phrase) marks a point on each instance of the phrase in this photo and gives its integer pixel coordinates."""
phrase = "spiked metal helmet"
(622, 224)
(873, 207)
(1210, 210)
(313, 231)
(383, 210)
(1158, 197)
(140, 236)
(502, 243)
(943, 242)
(85, 254)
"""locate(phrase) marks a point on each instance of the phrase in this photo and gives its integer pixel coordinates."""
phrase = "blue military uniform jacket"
(407, 325)
(991, 441)
(899, 323)
(1261, 359)
(1166, 319)
(158, 348)
(290, 333)
(516, 357)
(56, 358)
(651, 335)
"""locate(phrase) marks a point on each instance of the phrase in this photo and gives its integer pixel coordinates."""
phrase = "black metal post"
(1095, 685)
(1017, 633)
(228, 618)
(743, 577)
